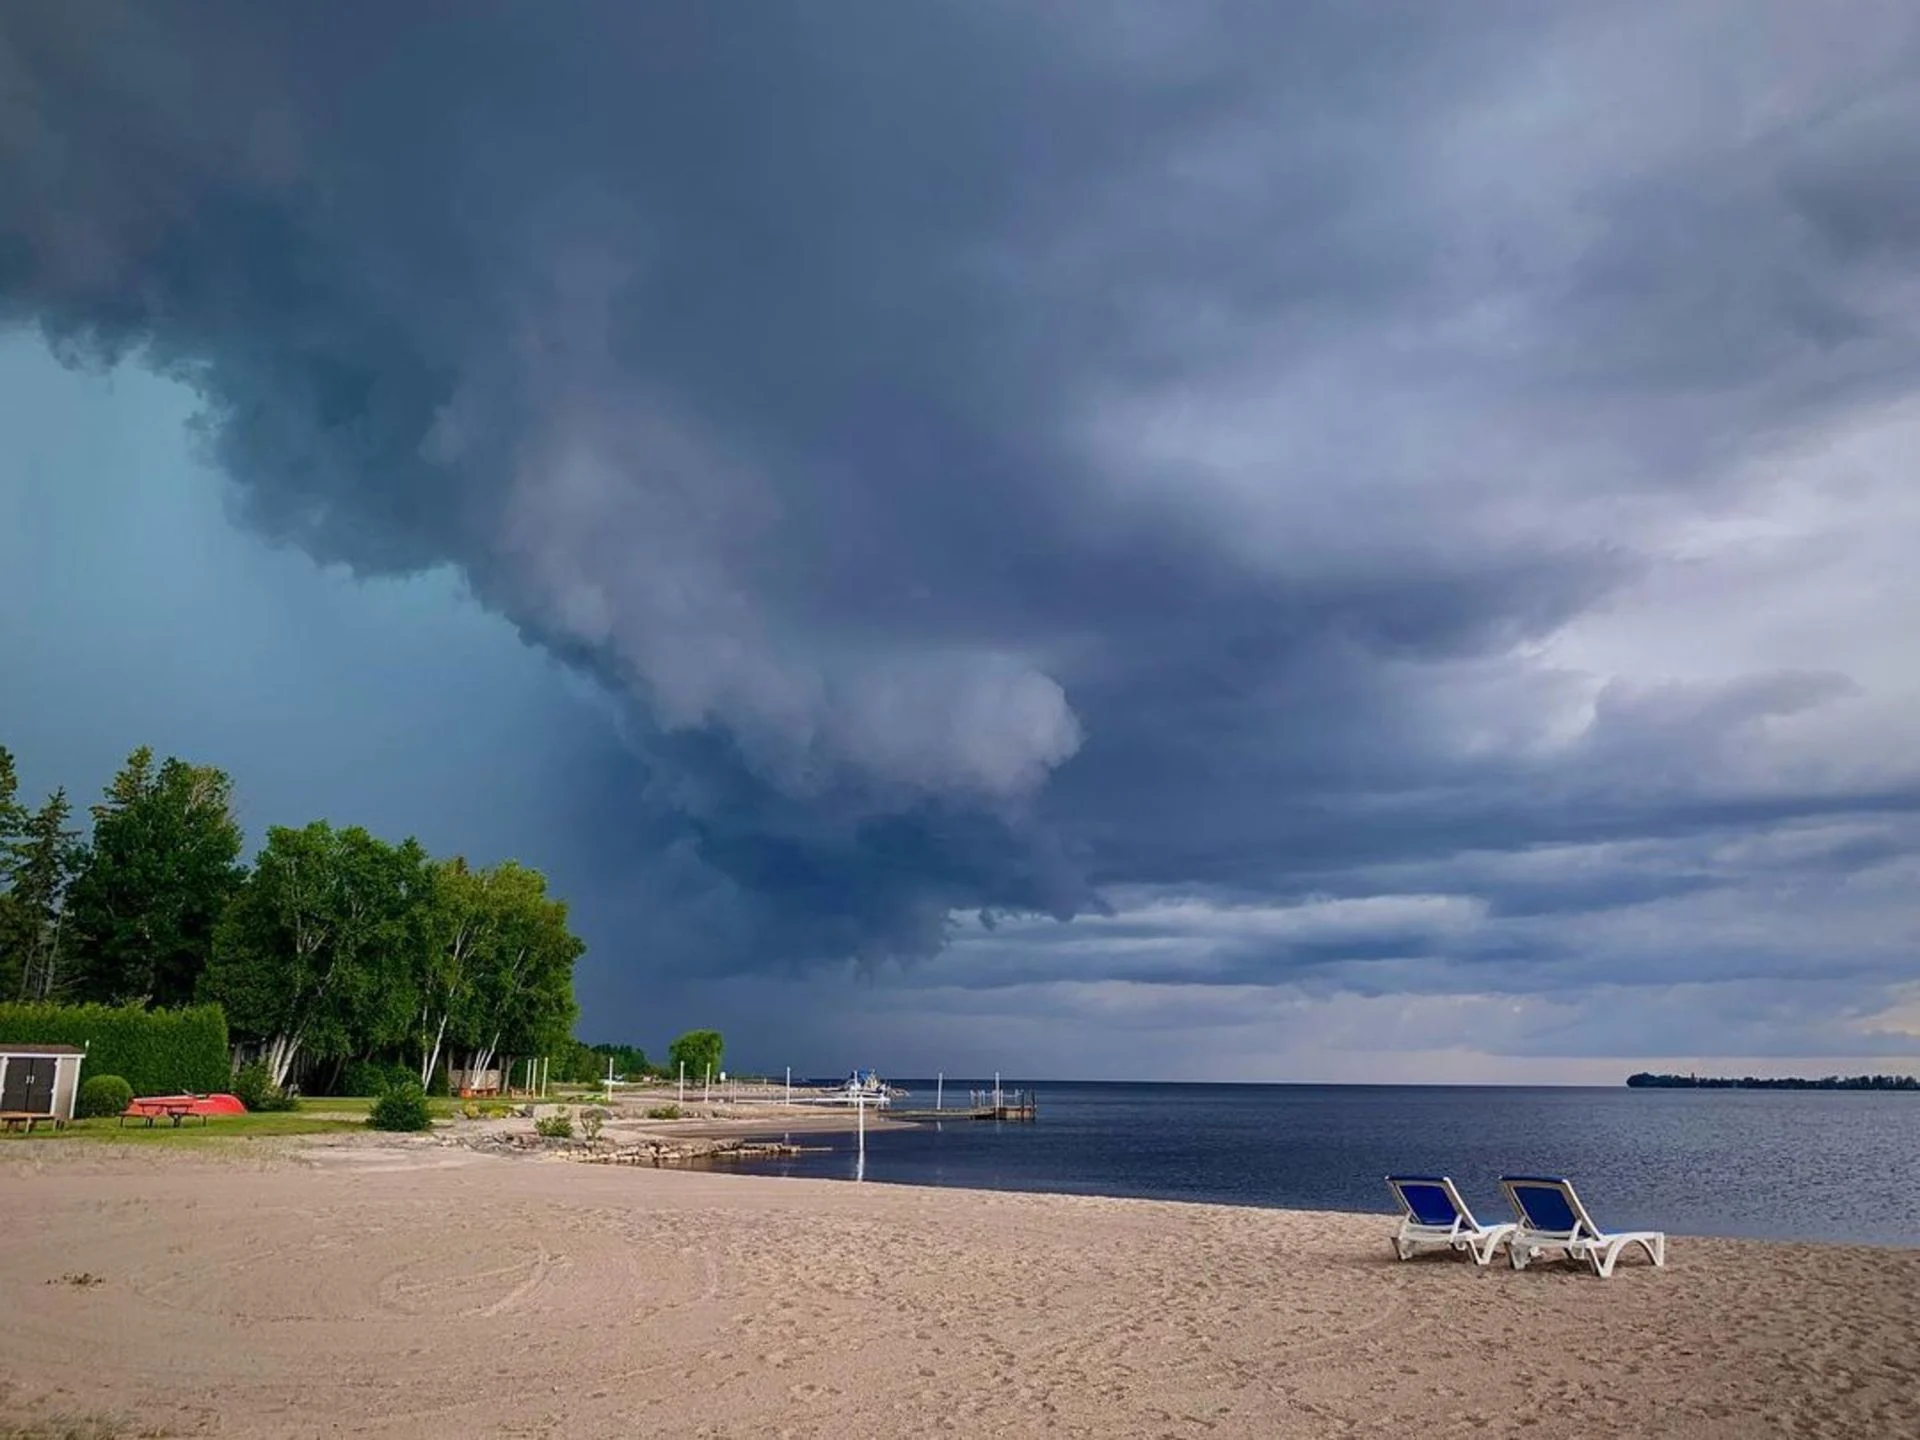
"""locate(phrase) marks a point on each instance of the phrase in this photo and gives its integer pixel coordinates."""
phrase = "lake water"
(1774, 1164)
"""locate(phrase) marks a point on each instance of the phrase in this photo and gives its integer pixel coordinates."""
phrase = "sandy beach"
(411, 1288)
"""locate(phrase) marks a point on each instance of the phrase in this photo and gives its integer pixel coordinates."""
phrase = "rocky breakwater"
(611, 1144)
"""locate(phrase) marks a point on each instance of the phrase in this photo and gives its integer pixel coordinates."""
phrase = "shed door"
(29, 1085)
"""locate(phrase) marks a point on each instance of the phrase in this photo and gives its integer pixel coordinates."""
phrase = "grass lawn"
(217, 1129)
(438, 1106)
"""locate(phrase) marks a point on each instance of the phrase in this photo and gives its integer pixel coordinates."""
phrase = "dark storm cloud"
(1004, 454)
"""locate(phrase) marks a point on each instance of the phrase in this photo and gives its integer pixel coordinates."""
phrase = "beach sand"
(398, 1288)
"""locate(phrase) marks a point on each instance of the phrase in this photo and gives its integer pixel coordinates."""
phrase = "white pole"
(860, 1104)
(940, 1091)
(683, 1082)
(706, 1091)
(789, 1084)
(996, 1089)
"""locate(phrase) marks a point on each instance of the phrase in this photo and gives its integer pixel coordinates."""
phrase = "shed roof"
(15, 1047)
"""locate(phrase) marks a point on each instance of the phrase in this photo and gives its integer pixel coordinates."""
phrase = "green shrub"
(374, 1077)
(557, 1126)
(157, 1052)
(591, 1119)
(402, 1107)
(102, 1095)
(665, 1112)
(255, 1088)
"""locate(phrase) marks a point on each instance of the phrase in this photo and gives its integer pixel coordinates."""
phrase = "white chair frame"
(1465, 1234)
(1585, 1241)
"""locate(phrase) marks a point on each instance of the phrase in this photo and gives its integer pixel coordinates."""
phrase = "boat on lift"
(861, 1087)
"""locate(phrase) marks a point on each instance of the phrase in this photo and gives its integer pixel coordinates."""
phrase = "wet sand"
(387, 1287)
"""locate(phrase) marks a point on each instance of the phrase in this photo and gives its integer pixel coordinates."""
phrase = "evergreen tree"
(41, 865)
(162, 866)
(11, 816)
(12, 963)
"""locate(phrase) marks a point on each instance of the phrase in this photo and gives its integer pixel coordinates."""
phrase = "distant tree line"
(333, 946)
(700, 1051)
(1644, 1080)
(577, 1062)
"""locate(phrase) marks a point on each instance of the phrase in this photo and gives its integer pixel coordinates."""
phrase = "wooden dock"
(1007, 1105)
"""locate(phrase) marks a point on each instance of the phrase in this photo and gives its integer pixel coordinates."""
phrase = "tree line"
(333, 945)
(701, 1052)
(1648, 1080)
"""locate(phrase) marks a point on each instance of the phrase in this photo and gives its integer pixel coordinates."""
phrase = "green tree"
(319, 952)
(699, 1050)
(580, 1063)
(40, 866)
(12, 820)
(12, 817)
(522, 1001)
(163, 863)
(462, 926)
(9, 787)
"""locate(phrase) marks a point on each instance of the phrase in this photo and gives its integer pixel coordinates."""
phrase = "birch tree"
(462, 929)
(316, 953)
(523, 988)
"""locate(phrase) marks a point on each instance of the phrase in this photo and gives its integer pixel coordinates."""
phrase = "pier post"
(939, 1090)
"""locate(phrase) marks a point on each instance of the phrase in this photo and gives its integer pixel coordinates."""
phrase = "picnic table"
(26, 1119)
(152, 1110)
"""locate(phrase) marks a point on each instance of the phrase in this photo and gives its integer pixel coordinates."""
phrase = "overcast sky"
(1216, 541)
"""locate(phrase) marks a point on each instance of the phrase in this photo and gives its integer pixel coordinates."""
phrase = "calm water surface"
(1771, 1164)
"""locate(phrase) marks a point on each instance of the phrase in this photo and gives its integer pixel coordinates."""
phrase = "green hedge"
(158, 1052)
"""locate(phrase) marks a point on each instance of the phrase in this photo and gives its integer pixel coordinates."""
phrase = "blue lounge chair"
(1436, 1215)
(1552, 1218)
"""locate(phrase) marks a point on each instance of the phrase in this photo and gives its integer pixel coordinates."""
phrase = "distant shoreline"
(1646, 1081)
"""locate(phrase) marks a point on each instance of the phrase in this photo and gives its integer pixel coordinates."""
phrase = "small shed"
(39, 1082)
